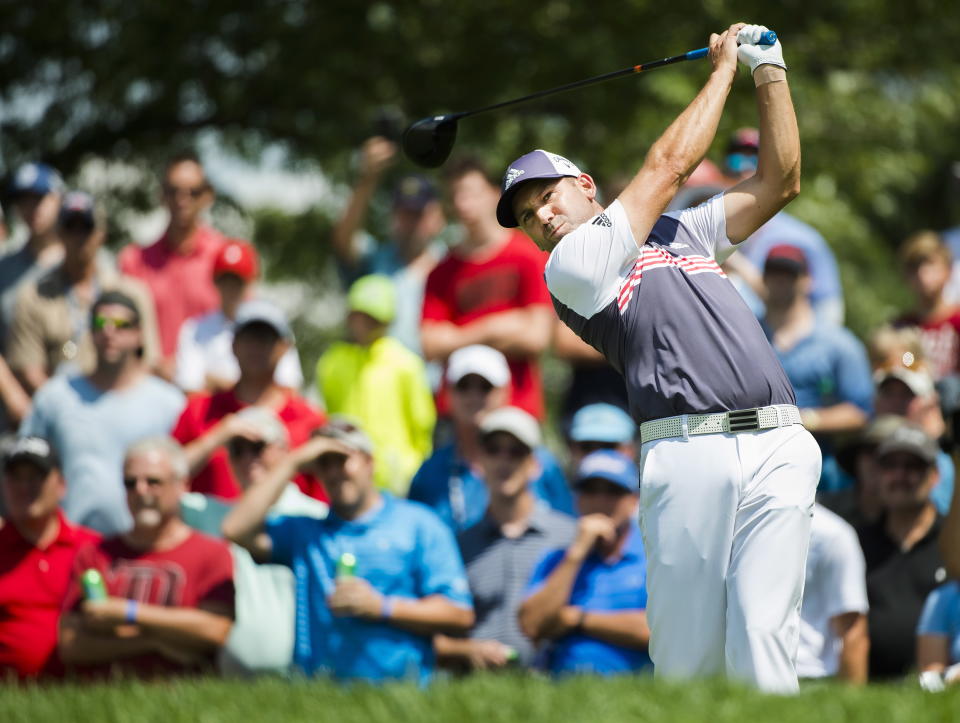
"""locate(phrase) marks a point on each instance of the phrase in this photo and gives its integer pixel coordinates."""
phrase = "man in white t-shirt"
(205, 360)
(834, 640)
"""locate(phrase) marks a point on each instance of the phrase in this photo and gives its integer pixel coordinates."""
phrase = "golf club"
(428, 142)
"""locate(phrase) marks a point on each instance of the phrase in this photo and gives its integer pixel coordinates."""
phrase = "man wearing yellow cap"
(381, 384)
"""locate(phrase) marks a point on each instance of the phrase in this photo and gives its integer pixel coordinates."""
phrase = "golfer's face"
(548, 210)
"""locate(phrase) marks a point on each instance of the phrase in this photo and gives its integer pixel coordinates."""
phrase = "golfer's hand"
(590, 529)
(353, 597)
(376, 156)
(753, 55)
(723, 48)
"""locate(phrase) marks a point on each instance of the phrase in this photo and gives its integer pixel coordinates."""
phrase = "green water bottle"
(93, 587)
(347, 565)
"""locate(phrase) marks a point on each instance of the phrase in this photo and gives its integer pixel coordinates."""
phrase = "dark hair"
(185, 155)
(118, 298)
(461, 166)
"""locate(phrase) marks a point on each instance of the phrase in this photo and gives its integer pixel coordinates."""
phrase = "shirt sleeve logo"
(602, 220)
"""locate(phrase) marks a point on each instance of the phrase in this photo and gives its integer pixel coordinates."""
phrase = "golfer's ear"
(587, 185)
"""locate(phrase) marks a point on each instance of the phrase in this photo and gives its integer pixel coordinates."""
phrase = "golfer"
(728, 472)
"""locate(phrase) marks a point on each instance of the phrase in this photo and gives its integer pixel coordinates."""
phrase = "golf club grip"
(767, 38)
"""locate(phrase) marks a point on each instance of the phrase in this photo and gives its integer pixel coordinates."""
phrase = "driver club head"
(428, 142)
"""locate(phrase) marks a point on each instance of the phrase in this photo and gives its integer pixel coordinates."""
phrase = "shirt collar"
(538, 521)
(66, 535)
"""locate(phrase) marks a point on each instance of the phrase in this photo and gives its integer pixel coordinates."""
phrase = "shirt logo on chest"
(653, 257)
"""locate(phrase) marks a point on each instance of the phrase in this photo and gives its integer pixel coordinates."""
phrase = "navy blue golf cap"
(38, 178)
(530, 167)
(611, 466)
(81, 206)
(413, 192)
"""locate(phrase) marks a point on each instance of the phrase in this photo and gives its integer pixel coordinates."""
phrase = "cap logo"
(563, 164)
(232, 254)
(28, 175)
(409, 187)
(511, 177)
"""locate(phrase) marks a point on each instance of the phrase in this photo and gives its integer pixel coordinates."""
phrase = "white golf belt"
(741, 420)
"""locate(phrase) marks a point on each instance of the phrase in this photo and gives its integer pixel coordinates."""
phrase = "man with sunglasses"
(178, 267)
(92, 419)
(50, 331)
(170, 594)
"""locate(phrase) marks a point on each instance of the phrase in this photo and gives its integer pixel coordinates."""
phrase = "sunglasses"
(240, 447)
(131, 482)
(473, 385)
(588, 447)
(513, 451)
(101, 322)
(194, 193)
(77, 226)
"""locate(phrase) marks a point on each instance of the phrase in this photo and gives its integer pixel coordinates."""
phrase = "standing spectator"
(261, 337)
(903, 562)
(205, 360)
(376, 579)
(92, 419)
(501, 549)
(261, 639)
(826, 364)
(601, 426)
(833, 617)
(413, 249)
(588, 602)
(37, 550)
(178, 266)
(450, 481)
(489, 290)
(50, 331)
(170, 596)
(377, 381)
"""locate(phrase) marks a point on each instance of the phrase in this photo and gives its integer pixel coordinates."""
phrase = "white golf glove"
(753, 55)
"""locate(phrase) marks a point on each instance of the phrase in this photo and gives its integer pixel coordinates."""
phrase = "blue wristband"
(386, 607)
(131, 616)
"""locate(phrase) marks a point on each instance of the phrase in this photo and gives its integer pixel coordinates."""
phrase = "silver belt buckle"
(743, 420)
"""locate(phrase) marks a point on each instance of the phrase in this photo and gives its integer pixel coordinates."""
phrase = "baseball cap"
(238, 258)
(786, 257)
(530, 167)
(36, 178)
(602, 423)
(374, 295)
(744, 139)
(81, 207)
(259, 311)
(115, 298)
(918, 382)
(484, 361)
(514, 421)
(35, 450)
(606, 464)
(413, 192)
(266, 422)
(910, 438)
(348, 432)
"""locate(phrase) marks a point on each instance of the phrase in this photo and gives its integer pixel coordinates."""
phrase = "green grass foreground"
(487, 698)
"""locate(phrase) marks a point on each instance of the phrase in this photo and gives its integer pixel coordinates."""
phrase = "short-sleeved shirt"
(458, 495)
(835, 585)
(33, 585)
(898, 583)
(941, 618)
(940, 339)
(500, 567)
(17, 268)
(204, 411)
(92, 429)
(601, 586)
(664, 313)
(196, 573)
(463, 289)
(403, 551)
(205, 349)
(181, 281)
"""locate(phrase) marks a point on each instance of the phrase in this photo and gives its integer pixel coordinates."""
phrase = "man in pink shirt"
(178, 267)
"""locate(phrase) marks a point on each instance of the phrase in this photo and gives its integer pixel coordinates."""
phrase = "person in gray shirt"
(501, 550)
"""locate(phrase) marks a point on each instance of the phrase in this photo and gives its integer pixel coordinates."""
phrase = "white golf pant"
(726, 525)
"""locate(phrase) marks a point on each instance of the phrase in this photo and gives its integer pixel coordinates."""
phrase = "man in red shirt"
(178, 267)
(489, 290)
(37, 550)
(170, 596)
(261, 338)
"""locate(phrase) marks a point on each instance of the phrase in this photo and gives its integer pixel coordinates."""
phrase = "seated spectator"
(489, 289)
(92, 419)
(205, 360)
(50, 331)
(177, 267)
(903, 562)
(826, 364)
(501, 549)
(938, 633)
(169, 590)
(601, 426)
(261, 639)
(450, 481)
(833, 617)
(261, 338)
(37, 550)
(587, 602)
(376, 579)
(377, 381)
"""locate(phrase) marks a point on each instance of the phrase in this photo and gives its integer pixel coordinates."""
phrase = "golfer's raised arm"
(753, 201)
(683, 145)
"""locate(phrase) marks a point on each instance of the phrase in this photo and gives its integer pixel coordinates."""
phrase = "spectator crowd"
(174, 502)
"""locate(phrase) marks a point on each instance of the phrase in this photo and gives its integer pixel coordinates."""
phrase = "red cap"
(238, 258)
(787, 256)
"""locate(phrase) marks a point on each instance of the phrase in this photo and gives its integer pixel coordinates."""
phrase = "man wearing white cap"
(450, 481)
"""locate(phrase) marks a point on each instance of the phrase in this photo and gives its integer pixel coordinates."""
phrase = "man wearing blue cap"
(729, 472)
(601, 426)
(586, 603)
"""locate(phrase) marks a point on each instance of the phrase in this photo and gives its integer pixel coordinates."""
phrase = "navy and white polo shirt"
(664, 314)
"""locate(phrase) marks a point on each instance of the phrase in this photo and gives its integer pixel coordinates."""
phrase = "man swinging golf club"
(728, 472)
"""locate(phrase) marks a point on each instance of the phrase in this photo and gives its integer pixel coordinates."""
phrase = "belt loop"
(684, 427)
(779, 409)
